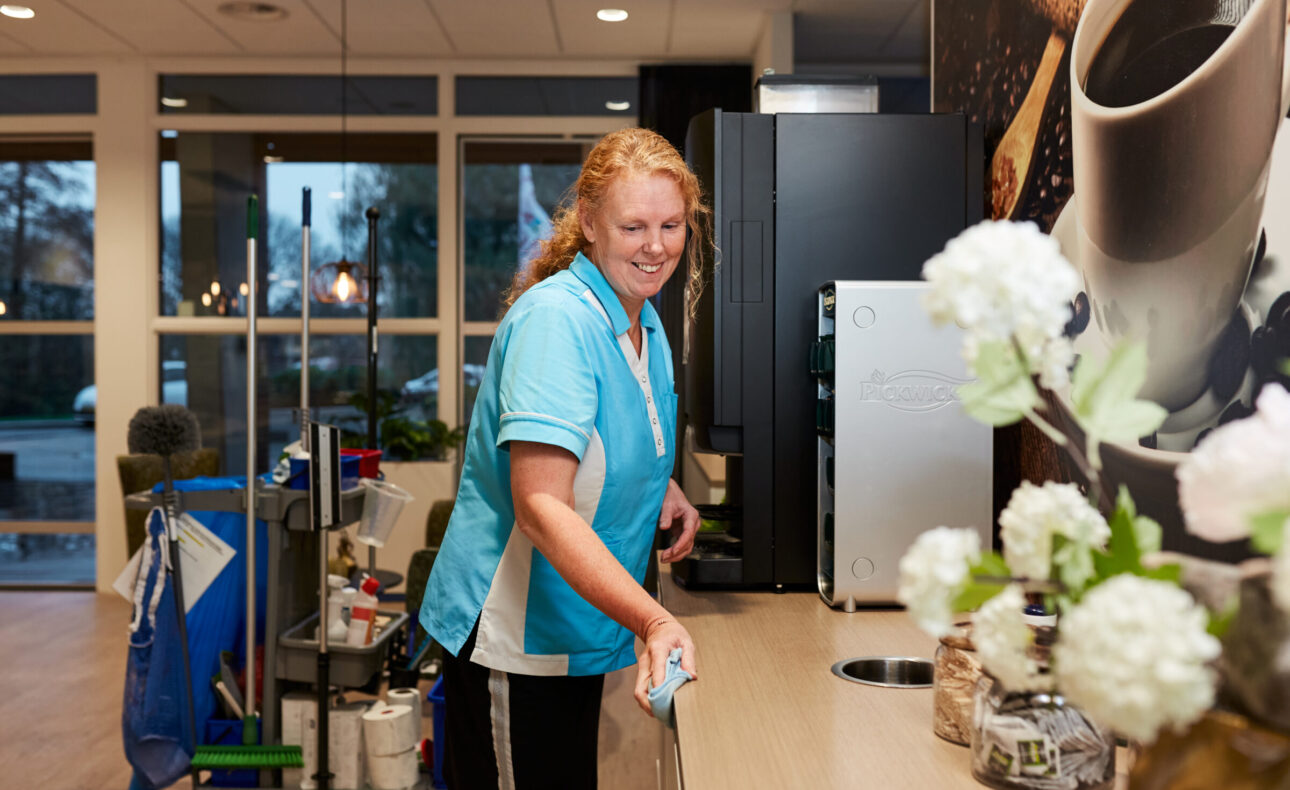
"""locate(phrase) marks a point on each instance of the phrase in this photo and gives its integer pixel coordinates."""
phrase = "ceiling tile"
(390, 28)
(826, 31)
(727, 29)
(302, 33)
(499, 28)
(157, 28)
(57, 29)
(642, 34)
(12, 46)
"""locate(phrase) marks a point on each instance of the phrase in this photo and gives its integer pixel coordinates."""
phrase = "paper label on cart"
(202, 554)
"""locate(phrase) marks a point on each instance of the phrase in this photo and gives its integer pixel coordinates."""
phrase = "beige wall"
(427, 482)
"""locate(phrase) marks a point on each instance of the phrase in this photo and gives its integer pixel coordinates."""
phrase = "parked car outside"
(174, 389)
(428, 383)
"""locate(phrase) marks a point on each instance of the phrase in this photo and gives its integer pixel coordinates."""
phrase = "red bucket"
(369, 462)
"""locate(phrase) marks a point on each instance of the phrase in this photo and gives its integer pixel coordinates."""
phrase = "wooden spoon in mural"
(1010, 166)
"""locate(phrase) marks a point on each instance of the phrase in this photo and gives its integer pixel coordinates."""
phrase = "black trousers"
(510, 731)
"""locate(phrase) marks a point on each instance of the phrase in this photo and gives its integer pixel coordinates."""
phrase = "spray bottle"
(362, 614)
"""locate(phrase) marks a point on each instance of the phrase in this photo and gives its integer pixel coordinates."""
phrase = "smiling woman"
(536, 592)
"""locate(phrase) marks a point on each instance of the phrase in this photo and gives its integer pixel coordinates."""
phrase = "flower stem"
(1088, 459)
(1046, 427)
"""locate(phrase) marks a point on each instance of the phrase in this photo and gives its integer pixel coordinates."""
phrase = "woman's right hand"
(661, 637)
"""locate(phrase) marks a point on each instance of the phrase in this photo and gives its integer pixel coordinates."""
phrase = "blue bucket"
(299, 479)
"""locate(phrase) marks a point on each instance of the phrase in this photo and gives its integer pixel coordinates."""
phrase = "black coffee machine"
(799, 200)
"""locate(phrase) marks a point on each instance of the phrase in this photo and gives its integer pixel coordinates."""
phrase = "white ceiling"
(825, 31)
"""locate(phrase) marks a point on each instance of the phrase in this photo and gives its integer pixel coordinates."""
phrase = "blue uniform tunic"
(561, 371)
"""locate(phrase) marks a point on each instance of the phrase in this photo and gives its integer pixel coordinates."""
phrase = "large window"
(510, 189)
(46, 231)
(497, 179)
(207, 374)
(205, 180)
(48, 397)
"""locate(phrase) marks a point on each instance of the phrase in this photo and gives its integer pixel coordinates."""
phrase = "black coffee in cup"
(1156, 44)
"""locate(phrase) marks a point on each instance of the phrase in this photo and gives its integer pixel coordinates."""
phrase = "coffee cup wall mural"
(1149, 137)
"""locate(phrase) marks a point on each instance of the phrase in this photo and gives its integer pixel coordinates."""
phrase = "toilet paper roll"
(393, 771)
(387, 730)
(412, 698)
(345, 756)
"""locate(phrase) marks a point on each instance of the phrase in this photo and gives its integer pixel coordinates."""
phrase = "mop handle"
(252, 230)
(304, 319)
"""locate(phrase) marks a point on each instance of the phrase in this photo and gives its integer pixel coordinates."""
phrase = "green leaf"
(991, 564)
(1266, 530)
(1147, 533)
(1219, 622)
(1123, 546)
(1105, 565)
(1084, 378)
(1171, 573)
(1074, 562)
(1003, 391)
(1103, 396)
(1130, 421)
(973, 595)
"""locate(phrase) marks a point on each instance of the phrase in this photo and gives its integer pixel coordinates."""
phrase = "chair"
(420, 564)
(142, 472)
(437, 521)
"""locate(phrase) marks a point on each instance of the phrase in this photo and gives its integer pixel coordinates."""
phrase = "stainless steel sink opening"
(886, 671)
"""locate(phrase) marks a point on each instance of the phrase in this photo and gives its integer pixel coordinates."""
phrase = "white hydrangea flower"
(1281, 571)
(1055, 364)
(1240, 470)
(1003, 639)
(1134, 654)
(1034, 514)
(933, 571)
(1005, 281)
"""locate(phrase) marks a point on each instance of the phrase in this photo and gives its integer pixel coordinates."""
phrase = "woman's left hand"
(676, 508)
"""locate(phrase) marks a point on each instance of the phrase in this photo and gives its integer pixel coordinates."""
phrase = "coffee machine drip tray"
(716, 561)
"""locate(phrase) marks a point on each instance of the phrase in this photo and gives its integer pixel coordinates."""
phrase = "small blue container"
(228, 732)
(299, 479)
(435, 696)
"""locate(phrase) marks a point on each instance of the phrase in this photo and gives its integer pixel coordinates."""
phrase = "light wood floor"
(62, 670)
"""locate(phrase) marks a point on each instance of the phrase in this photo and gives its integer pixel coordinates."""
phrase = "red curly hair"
(635, 151)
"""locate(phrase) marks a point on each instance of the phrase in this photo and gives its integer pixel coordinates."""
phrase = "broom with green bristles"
(250, 754)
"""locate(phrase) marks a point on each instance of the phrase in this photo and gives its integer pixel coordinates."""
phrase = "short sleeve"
(547, 385)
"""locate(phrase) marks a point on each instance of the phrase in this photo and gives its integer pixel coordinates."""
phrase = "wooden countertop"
(767, 711)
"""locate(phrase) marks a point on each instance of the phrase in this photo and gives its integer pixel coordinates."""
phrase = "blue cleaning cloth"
(660, 698)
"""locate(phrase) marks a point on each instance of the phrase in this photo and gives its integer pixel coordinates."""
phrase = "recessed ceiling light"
(170, 101)
(253, 12)
(611, 15)
(618, 106)
(17, 11)
(337, 195)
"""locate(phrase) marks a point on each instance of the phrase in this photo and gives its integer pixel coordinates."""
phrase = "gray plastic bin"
(351, 666)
